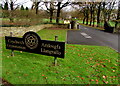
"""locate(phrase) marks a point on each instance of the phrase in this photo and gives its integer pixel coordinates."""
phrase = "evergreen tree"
(22, 8)
(6, 6)
(26, 8)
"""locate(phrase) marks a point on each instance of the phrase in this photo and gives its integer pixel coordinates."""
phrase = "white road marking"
(85, 28)
(85, 35)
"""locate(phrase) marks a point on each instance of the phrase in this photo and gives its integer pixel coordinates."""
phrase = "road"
(91, 36)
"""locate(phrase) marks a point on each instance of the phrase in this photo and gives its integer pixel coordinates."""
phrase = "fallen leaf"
(92, 80)
(25, 74)
(104, 76)
(33, 80)
(43, 75)
(90, 58)
(96, 81)
(82, 78)
(105, 82)
(78, 54)
(103, 65)
(108, 60)
(20, 51)
(113, 71)
(64, 79)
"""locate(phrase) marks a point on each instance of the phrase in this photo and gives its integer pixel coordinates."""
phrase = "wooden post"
(55, 58)
(12, 52)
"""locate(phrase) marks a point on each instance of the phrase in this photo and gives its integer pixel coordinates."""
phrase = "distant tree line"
(98, 12)
(91, 11)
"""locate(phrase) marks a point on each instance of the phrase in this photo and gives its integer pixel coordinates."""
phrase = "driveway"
(91, 36)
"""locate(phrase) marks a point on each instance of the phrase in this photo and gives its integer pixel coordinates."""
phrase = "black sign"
(31, 42)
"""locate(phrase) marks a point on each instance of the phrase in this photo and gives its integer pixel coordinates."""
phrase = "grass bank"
(82, 64)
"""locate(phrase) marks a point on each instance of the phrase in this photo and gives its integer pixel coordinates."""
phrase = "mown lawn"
(53, 21)
(82, 64)
(112, 24)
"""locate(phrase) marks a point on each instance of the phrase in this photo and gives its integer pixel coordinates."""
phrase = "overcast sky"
(28, 3)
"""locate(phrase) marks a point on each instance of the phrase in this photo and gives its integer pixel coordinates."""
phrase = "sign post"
(55, 58)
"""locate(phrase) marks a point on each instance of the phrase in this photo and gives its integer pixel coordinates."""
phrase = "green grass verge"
(82, 64)
(112, 24)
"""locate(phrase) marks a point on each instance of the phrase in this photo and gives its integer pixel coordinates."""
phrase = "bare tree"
(60, 5)
(50, 8)
(91, 13)
(107, 8)
(35, 5)
(118, 15)
(98, 13)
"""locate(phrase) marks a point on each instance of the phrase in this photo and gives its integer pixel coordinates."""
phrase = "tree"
(60, 5)
(35, 5)
(87, 15)
(98, 14)
(22, 8)
(107, 8)
(91, 13)
(10, 6)
(1, 7)
(94, 6)
(118, 15)
(6, 6)
(50, 8)
(26, 8)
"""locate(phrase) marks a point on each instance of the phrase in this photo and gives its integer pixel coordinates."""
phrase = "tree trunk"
(93, 21)
(11, 6)
(36, 10)
(58, 13)
(91, 15)
(51, 15)
(11, 20)
(118, 16)
(87, 20)
(11, 17)
(11, 12)
(104, 12)
(84, 20)
(98, 15)
(36, 7)
(87, 15)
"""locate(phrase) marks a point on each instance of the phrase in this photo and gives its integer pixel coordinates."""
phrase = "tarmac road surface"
(91, 36)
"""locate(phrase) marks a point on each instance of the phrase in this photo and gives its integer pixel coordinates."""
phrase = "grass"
(47, 34)
(82, 64)
(112, 24)
(53, 21)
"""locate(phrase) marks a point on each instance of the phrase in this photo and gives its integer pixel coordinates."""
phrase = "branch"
(46, 5)
(64, 5)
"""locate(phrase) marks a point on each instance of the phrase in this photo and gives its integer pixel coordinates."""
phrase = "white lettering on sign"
(56, 52)
(15, 41)
(15, 46)
(50, 46)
